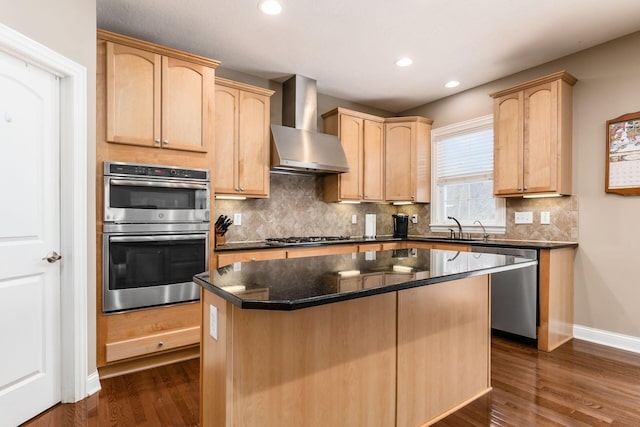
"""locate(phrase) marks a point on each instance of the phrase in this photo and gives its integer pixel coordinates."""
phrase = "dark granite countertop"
(290, 284)
(526, 244)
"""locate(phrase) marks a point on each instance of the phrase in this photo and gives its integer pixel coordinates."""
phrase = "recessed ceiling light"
(452, 83)
(404, 62)
(270, 7)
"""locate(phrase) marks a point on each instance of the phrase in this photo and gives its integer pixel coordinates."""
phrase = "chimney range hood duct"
(297, 147)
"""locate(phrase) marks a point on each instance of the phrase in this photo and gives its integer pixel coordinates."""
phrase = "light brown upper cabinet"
(158, 100)
(407, 159)
(362, 137)
(532, 137)
(242, 139)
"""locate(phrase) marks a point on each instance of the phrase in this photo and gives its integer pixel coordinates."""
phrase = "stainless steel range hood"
(297, 147)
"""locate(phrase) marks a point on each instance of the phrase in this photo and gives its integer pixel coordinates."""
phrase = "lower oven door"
(146, 270)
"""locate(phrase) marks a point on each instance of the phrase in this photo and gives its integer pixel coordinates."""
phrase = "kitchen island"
(388, 338)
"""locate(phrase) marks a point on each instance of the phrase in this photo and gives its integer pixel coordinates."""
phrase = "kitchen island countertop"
(290, 284)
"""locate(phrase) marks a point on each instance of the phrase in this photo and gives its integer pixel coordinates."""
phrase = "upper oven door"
(134, 200)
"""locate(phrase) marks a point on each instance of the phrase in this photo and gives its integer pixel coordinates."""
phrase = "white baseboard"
(93, 383)
(610, 339)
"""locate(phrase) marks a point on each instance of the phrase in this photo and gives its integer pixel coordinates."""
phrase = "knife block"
(220, 239)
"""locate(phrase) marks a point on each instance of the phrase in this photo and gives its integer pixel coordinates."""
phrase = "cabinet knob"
(519, 188)
(241, 188)
(165, 142)
(525, 188)
(157, 140)
(413, 197)
(160, 344)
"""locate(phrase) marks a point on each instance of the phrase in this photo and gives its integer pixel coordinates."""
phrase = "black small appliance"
(400, 225)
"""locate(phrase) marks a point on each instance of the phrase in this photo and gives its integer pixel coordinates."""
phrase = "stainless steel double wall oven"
(155, 234)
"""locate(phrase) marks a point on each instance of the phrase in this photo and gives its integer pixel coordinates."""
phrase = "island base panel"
(443, 348)
(327, 365)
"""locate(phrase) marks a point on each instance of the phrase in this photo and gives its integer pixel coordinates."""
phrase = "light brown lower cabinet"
(555, 296)
(141, 339)
(363, 362)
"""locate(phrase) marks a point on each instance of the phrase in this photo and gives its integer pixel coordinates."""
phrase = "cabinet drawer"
(230, 258)
(394, 245)
(370, 247)
(152, 343)
(318, 251)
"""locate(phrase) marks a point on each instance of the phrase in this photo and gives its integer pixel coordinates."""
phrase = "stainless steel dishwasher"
(514, 294)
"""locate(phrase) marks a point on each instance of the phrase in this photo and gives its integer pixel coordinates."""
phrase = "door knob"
(52, 257)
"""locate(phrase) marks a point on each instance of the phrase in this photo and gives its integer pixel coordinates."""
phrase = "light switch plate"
(524, 218)
(237, 266)
(354, 219)
(237, 219)
(545, 217)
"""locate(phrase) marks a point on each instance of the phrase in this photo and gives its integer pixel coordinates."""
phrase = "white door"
(29, 232)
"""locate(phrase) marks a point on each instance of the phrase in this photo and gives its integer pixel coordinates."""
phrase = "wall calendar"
(623, 155)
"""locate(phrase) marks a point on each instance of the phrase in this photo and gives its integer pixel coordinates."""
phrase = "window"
(462, 178)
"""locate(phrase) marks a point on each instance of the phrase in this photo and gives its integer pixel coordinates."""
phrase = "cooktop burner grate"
(276, 241)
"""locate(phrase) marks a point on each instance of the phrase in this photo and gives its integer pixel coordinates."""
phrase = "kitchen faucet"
(485, 236)
(459, 226)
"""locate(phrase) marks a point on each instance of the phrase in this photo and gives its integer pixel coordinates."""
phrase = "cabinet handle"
(160, 344)
(519, 188)
(241, 188)
(157, 140)
(165, 142)
(413, 197)
(236, 189)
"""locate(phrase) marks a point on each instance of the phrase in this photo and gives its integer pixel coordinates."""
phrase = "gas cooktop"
(308, 240)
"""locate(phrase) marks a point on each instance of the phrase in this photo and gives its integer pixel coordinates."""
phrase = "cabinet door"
(373, 159)
(253, 144)
(398, 162)
(351, 138)
(373, 280)
(133, 96)
(187, 102)
(540, 138)
(226, 132)
(508, 145)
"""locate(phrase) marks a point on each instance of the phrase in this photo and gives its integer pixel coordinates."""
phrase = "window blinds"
(464, 154)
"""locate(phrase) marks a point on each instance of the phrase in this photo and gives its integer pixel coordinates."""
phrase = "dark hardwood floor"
(579, 384)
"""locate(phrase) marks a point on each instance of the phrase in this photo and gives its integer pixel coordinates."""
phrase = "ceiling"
(350, 46)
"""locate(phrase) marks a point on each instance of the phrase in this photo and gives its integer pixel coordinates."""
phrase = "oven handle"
(164, 238)
(159, 184)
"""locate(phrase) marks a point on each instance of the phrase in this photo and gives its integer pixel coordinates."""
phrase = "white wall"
(607, 275)
(69, 28)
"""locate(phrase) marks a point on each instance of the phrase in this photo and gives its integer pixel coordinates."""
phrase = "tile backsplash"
(296, 208)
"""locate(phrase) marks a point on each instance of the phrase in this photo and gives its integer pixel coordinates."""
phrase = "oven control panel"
(132, 170)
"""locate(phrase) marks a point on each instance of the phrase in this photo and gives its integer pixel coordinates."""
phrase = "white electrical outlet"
(237, 219)
(354, 219)
(524, 218)
(414, 218)
(545, 217)
(213, 322)
(237, 266)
